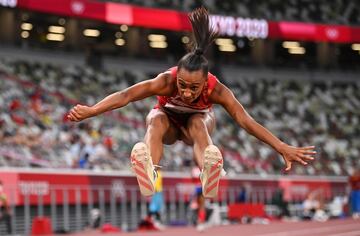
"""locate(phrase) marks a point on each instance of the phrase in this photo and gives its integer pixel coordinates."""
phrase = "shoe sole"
(213, 165)
(142, 166)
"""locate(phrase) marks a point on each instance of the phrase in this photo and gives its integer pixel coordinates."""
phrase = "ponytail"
(203, 35)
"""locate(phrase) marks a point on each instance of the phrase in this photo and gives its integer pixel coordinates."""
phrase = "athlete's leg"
(207, 156)
(145, 155)
(197, 134)
(159, 130)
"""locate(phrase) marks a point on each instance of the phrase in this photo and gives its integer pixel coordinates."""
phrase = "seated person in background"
(314, 206)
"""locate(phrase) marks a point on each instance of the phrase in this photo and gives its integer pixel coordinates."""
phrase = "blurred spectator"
(244, 193)
(34, 133)
(95, 218)
(201, 209)
(336, 207)
(5, 212)
(242, 196)
(314, 206)
(157, 202)
(279, 201)
(197, 201)
(355, 194)
(153, 220)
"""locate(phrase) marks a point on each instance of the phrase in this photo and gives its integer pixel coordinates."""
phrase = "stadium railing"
(69, 207)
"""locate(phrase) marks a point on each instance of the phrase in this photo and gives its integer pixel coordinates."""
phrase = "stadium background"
(294, 65)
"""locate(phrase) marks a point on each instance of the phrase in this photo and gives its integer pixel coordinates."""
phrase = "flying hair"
(203, 33)
(203, 36)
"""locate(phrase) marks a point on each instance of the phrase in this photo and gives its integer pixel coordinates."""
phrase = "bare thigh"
(172, 133)
(210, 122)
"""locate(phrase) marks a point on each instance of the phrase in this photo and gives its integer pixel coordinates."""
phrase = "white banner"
(240, 27)
(8, 3)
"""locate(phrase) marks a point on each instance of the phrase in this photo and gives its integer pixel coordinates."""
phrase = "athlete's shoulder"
(165, 81)
(169, 75)
(173, 71)
(212, 77)
(212, 81)
(219, 93)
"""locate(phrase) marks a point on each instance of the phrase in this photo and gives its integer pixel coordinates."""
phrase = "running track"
(346, 227)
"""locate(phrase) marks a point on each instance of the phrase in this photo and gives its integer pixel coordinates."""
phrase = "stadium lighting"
(290, 44)
(224, 41)
(298, 50)
(25, 34)
(26, 26)
(227, 48)
(185, 39)
(240, 43)
(225, 45)
(25, 16)
(124, 28)
(158, 44)
(355, 46)
(156, 37)
(118, 35)
(61, 21)
(91, 32)
(56, 29)
(157, 41)
(120, 42)
(55, 37)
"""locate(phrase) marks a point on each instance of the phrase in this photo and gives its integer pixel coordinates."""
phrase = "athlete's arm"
(223, 96)
(161, 85)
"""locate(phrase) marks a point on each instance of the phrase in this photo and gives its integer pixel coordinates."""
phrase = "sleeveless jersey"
(201, 104)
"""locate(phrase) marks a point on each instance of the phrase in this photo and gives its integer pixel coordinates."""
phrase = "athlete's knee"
(196, 123)
(158, 121)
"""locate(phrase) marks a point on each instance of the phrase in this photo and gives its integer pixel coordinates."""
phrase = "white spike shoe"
(212, 172)
(142, 166)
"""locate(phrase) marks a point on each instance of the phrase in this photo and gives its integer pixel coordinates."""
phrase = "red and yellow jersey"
(355, 182)
(3, 199)
(201, 104)
(158, 182)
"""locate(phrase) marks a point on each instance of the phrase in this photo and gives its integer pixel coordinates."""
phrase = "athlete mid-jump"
(184, 112)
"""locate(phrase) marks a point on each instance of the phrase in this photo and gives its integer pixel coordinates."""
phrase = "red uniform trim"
(180, 119)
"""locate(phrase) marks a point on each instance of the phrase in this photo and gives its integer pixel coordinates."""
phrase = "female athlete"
(184, 112)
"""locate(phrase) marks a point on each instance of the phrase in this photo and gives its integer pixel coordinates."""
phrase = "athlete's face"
(190, 84)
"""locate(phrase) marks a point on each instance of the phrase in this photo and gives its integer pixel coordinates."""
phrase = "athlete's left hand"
(292, 154)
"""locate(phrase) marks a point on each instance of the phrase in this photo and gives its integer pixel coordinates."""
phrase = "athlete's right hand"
(80, 112)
